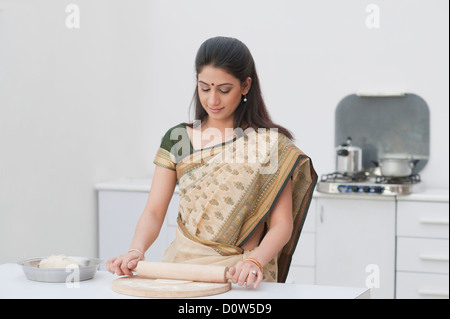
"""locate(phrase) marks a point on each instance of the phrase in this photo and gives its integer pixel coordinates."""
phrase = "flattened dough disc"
(155, 288)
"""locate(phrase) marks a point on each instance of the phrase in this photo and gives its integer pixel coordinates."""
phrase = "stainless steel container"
(348, 158)
(86, 270)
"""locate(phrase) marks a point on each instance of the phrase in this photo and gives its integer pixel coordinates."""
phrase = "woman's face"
(220, 93)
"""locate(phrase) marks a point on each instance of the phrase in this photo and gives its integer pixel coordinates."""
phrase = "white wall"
(71, 115)
(81, 106)
(310, 55)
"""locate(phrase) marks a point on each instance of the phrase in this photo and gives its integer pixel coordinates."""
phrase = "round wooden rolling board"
(162, 288)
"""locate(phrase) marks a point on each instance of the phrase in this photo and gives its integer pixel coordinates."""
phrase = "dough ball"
(57, 261)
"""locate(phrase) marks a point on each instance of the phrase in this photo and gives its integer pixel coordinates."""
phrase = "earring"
(245, 98)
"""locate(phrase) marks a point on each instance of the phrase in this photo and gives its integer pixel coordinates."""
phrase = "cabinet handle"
(435, 293)
(321, 213)
(434, 221)
(433, 258)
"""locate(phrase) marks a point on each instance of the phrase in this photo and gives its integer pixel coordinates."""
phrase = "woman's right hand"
(123, 264)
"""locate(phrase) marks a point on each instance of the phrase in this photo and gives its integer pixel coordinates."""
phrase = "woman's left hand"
(246, 272)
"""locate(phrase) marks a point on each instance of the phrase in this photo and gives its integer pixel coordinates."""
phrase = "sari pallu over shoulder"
(293, 165)
(225, 194)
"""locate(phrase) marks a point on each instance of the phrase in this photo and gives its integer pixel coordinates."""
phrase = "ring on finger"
(253, 272)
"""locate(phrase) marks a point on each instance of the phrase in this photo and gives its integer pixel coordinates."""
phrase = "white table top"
(14, 285)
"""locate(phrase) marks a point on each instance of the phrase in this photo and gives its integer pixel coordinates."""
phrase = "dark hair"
(235, 58)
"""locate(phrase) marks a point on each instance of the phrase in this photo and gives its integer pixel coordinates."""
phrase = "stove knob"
(379, 189)
(366, 189)
(355, 189)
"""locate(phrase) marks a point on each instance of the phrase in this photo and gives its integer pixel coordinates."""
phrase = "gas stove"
(365, 184)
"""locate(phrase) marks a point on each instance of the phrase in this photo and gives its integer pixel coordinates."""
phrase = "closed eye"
(221, 91)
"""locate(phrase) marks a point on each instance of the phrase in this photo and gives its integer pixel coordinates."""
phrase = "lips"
(215, 110)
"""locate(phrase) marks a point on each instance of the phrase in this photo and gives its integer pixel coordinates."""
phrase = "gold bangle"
(255, 262)
(137, 250)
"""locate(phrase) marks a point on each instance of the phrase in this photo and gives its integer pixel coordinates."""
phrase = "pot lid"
(403, 156)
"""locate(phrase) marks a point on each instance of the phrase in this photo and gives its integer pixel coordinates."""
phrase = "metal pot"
(348, 158)
(397, 165)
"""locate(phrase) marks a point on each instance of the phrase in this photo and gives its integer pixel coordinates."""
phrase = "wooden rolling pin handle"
(228, 276)
(178, 271)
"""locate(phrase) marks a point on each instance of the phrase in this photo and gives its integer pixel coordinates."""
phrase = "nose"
(213, 99)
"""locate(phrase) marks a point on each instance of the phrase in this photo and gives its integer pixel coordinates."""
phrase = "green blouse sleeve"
(175, 145)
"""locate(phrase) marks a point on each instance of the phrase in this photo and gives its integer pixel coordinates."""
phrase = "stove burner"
(344, 177)
(364, 183)
(411, 179)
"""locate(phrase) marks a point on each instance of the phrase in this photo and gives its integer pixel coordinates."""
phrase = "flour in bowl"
(57, 261)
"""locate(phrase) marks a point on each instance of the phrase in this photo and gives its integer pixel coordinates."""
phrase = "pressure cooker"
(348, 158)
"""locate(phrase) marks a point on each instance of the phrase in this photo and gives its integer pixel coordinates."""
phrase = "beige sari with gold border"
(228, 190)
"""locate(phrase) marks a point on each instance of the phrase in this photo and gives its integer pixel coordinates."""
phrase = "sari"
(227, 191)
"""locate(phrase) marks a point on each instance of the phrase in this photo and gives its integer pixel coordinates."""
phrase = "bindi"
(212, 84)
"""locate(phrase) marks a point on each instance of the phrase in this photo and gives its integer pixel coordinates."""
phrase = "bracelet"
(137, 250)
(255, 262)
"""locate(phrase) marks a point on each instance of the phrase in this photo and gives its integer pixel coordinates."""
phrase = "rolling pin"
(178, 271)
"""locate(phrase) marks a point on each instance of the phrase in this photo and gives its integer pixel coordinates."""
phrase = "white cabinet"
(414, 285)
(120, 204)
(423, 219)
(422, 249)
(355, 241)
(422, 255)
(303, 265)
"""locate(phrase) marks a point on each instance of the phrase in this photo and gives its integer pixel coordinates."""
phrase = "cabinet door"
(423, 255)
(302, 270)
(422, 219)
(356, 244)
(119, 212)
(412, 285)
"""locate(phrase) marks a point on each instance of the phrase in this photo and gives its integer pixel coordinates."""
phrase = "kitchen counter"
(14, 285)
(429, 195)
(126, 184)
(144, 184)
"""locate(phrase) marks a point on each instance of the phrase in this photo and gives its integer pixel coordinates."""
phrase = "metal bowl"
(86, 270)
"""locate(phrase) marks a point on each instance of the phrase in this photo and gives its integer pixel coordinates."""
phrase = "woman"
(245, 188)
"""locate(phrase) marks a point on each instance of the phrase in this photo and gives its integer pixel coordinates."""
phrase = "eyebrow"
(215, 85)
